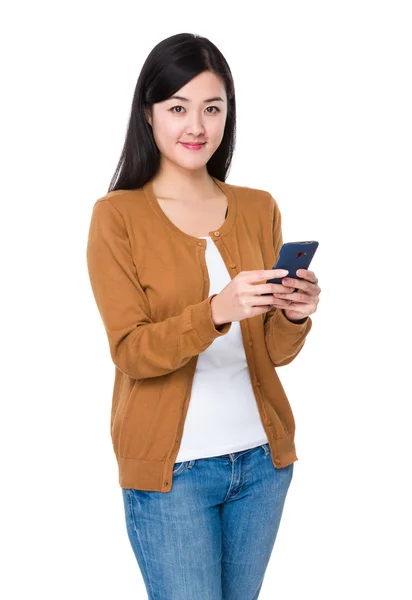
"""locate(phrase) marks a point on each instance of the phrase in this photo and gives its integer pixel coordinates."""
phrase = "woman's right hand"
(241, 298)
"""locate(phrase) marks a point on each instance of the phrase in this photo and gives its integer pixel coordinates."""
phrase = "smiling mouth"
(193, 147)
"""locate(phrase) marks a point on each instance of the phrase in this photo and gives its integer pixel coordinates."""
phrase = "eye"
(173, 107)
(179, 112)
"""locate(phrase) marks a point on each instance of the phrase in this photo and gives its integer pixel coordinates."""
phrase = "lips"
(192, 145)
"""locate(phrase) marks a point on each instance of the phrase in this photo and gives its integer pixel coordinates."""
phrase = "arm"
(284, 338)
(139, 347)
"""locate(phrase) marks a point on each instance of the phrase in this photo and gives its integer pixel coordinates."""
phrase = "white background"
(323, 93)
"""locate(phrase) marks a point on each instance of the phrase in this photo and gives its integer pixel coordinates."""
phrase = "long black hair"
(170, 65)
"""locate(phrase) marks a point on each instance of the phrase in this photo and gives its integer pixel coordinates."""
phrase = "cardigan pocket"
(141, 433)
(119, 417)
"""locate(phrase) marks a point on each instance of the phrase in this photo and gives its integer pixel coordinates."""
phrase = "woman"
(178, 259)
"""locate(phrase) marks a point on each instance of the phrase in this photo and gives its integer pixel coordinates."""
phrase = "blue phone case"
(292, 257)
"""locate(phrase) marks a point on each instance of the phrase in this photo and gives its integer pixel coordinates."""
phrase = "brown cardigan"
(151, 286)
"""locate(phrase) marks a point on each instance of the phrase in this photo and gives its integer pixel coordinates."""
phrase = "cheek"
(216, 130)
(167, 136)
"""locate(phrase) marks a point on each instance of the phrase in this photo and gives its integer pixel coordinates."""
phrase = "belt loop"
(266, 449)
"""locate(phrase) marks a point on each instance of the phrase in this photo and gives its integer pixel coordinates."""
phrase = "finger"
(289, 304)
(248, 302)
(295, 297)
(295, 307)
(262, 275)
(265, 289)
(294, 283)
(310, 288)
(280, 304)
(308, 275)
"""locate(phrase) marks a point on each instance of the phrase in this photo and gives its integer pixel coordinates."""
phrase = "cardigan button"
(258, 383)
(232, 265)
(217, 233)
(250, 342)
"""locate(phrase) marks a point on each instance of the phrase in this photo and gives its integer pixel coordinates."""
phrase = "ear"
(148, 115)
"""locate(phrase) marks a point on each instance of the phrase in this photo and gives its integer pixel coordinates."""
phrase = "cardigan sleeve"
(139, 347)
(284, 339)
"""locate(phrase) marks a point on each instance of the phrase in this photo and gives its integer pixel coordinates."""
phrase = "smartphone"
(292, 257)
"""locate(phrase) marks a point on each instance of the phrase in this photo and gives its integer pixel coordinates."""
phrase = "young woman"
(202, 429)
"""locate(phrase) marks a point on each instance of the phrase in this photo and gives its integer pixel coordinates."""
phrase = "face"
(197, 116)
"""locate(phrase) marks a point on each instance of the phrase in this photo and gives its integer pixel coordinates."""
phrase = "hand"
(302, 303)
(243, 297)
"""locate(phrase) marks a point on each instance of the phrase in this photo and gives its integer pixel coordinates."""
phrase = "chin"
(198, 167)
(194, 163)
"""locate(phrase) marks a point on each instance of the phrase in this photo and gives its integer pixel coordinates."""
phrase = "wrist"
(214, 310)
(298, 321)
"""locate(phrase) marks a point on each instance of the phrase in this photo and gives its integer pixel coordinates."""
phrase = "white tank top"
(222, 416)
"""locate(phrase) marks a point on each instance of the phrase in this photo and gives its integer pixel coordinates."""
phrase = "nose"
(195, 125)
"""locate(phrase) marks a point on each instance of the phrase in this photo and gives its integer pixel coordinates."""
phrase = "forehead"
(205, 87)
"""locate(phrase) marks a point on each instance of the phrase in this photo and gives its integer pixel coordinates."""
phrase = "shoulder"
(120, 210)
(120, 199)
(253, 198)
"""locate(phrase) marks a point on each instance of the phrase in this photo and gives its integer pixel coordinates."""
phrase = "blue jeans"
(211, 536)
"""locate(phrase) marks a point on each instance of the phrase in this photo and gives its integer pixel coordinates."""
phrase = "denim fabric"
(211, 536)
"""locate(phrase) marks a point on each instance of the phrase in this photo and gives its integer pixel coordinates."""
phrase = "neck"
(184, 185)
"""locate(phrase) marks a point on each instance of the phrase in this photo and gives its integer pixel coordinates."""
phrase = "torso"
(196, 219)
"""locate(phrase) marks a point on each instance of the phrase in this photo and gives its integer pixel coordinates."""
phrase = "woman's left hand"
(302, 303)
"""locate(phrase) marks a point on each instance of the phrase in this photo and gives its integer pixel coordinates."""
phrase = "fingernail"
(284, 272)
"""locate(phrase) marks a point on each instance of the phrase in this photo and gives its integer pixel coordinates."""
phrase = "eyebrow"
(214, 99)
